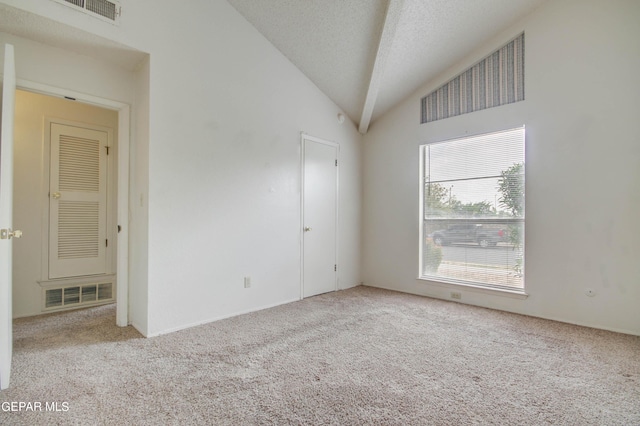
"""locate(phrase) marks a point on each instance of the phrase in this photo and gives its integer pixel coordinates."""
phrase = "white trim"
(45, 89)
(195, 324)
(122, 264)
(423, 160)
(421, 157)
(476, 288)
(86, 279)
(111, 216)
(122, 219)
(514, 312)
(392, 16)
(303, 137)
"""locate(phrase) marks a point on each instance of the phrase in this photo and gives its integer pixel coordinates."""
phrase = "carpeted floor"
(360, 356)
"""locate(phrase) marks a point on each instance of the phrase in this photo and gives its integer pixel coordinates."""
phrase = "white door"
(320, 206)
(6, 214)
(77, 201)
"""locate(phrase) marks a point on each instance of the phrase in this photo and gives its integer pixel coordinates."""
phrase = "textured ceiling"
(335, 42)
(330, 41)
(353, 50)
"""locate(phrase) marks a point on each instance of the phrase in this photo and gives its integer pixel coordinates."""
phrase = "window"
(496, 80)
(472, 209)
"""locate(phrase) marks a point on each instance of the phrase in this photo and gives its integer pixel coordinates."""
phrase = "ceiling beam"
(391, 19)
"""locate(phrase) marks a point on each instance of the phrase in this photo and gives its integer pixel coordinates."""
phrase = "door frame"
(110, 219)
(305, 137)
(122, 199)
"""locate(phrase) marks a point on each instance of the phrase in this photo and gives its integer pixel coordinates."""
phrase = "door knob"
(56, 195)
(307, 229)
(7, 234)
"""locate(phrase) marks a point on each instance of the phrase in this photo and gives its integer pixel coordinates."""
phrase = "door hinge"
(107, 150)
(335, 268)
(106, 243)
(336, 163)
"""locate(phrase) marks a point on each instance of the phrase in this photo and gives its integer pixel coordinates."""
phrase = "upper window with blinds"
(496, 80)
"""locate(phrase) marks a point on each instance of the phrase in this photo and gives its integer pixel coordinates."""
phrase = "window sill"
(476, 288)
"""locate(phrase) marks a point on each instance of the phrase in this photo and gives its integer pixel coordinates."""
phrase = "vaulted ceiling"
(367, 55)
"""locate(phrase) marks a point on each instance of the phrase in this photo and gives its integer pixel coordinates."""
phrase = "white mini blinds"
(473, 210)
(496, 80)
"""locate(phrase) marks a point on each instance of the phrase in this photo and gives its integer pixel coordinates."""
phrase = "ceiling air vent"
(106, 10)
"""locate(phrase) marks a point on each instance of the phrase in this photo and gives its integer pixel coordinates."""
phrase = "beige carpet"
(361, 356)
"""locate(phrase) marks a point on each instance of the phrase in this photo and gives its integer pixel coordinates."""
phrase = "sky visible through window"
(481, 159)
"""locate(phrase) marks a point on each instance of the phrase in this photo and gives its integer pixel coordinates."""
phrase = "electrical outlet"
(247, 282)
(456, 295)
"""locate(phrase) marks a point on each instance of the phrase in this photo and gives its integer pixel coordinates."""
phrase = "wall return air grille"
(78, 295)
(103, 9)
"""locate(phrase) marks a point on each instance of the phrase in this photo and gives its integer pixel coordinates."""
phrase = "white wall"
(224, 120)
(31, 183)
(139, 213)
(582, 178)
(224, 193)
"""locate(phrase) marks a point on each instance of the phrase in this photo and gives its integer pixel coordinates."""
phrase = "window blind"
(496, 80)
(473, 210)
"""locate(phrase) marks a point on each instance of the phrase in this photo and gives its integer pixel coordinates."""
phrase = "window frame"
(518, 291)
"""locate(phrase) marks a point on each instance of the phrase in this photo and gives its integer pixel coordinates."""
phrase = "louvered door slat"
(78, 229)
(79, 164)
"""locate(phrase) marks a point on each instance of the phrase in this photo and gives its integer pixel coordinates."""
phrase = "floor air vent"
(104, 9)
(78, 295)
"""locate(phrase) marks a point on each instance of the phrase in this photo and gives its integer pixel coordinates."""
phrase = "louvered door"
(77, 201)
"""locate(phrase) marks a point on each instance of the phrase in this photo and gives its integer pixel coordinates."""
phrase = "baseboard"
(550, 318)
(207, 321)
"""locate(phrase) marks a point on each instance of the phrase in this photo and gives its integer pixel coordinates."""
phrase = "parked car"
(469, 233)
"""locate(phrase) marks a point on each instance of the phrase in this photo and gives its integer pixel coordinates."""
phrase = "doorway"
(70, 66)
(319, 216)
(65, 203)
